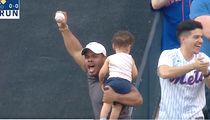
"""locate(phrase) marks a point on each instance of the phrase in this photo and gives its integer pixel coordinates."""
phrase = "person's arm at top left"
(157, 4)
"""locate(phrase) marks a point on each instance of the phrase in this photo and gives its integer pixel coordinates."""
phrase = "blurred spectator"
(173, 12)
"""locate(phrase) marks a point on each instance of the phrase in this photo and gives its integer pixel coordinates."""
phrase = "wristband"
(64, 29)
(207, 75)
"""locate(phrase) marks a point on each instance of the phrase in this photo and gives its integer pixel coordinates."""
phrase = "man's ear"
(181, 39)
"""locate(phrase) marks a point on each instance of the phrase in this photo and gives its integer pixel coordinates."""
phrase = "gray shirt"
(96, 95)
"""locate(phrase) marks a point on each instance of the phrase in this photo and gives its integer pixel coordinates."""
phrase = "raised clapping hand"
(201, 64)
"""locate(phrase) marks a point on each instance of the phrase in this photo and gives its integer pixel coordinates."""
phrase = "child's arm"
(103, 72)
(134, 71)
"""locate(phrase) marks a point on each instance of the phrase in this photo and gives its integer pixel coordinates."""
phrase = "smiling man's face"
(193, 41)
(93, 62)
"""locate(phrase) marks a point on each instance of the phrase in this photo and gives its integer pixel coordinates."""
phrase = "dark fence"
(38, 78)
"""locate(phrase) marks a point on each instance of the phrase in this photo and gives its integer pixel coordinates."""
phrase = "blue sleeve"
(199, 7)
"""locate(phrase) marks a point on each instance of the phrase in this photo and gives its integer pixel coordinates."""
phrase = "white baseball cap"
(95, 47)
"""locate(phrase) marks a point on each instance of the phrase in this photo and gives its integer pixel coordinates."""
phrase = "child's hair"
(123, 39)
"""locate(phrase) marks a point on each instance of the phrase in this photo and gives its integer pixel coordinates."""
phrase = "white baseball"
(59, 17)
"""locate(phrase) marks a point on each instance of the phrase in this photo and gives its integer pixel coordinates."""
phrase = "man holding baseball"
(183, 73)
(90, 59)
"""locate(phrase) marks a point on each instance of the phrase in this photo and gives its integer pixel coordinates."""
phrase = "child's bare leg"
(116, 109)
(105, 110)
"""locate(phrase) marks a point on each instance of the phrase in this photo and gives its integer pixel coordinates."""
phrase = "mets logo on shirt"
(9, 9)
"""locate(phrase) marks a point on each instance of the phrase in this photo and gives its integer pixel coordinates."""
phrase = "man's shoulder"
(170, 55)
(170, 51)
